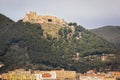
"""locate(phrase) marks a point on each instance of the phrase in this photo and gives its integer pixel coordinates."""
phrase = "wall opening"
(49, 20)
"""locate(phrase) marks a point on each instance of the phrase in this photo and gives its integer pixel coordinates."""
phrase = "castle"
(32, 17)
(50, 24)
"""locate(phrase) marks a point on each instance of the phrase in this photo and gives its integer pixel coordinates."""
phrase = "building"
(116, 74)
(91, 75)
(45, 75)
(21, 74)
(55, 75)
(65, 75)
(107, 57)
(32, 17)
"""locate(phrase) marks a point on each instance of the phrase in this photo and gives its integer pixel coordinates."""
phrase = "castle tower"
(30, 17)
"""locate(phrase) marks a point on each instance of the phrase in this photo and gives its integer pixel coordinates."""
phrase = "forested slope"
(23, 45)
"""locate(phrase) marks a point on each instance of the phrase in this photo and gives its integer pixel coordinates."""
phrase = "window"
(49, 20)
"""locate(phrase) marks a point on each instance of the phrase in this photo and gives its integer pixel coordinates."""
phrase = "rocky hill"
(27, 45)
(50, 24)
(110, 33)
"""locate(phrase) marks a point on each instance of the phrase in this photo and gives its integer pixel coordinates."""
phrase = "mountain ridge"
(110, 33)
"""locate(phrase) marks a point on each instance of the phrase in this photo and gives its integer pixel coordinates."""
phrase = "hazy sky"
(88, 13)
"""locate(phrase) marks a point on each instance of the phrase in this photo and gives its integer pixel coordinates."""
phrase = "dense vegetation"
(22, 45)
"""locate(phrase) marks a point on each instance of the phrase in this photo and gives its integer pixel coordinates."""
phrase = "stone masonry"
(32, 17)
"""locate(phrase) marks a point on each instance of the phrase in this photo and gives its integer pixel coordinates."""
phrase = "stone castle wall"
(32, 17)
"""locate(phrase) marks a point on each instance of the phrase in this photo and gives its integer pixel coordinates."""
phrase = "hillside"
(110, 33)
(24, 45)
(50, 24)
(5, 23)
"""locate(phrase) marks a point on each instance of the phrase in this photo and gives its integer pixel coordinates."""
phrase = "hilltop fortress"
(32, 17)
(50, 24)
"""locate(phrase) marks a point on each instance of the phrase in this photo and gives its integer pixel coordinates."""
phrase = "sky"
(88, 13)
